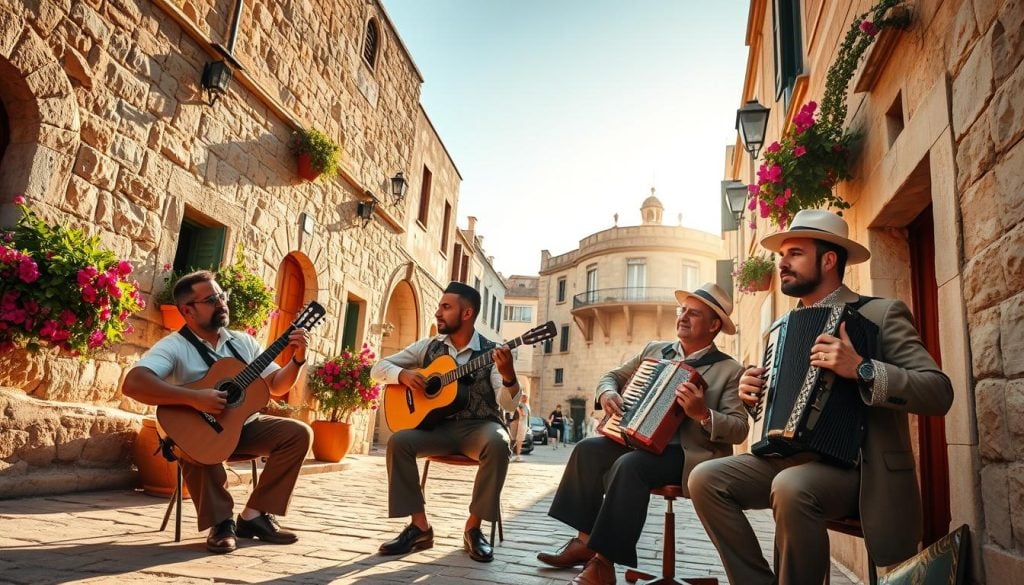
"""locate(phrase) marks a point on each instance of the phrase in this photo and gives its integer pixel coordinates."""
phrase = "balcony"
(597, 307)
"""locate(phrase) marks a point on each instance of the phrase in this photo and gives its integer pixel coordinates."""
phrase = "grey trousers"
(605, 490)
(802, 492)
(283, 441)
(483, 440)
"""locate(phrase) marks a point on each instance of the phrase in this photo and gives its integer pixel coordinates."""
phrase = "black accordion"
(651, 416)
(804, 407)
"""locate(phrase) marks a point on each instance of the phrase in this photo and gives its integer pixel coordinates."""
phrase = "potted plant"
(754, 274)
(316, 153)
(801, 170)
(251, 302)
(165, 300)
(340, 386)
(59, 288)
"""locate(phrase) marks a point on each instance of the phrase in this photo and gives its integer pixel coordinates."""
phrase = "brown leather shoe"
(222, 538)
(572, 554)
(599, 571)
(265, 528)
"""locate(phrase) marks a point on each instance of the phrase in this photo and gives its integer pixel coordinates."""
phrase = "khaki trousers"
(283, 441)
(802, 493)
(485, 441)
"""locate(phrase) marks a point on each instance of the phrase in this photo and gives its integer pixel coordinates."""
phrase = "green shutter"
(348, 335)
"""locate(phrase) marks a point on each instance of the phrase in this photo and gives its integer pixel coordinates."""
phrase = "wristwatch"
(866, 373)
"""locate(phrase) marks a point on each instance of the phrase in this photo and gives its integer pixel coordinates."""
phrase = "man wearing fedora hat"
(605, 489)
(802, 491)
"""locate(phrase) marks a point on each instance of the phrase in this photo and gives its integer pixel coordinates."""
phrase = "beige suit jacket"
(728, 418)
(890, 501)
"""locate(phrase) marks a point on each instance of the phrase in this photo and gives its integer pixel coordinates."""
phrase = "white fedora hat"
(819, 224)
(714, 297)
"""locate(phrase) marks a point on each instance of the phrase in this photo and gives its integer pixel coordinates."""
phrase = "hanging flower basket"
(306, 170)
(316, 154)
(754, 274)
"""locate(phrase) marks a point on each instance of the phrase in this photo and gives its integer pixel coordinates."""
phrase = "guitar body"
(194, 432)
(405, 408)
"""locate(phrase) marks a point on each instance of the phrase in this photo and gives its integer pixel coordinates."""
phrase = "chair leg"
(255, 474)
(668, 552)
(872, 571)
(501, 527)
(177, 504)
(170, 506)
(423, 482)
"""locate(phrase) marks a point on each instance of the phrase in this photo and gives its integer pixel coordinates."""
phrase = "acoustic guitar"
(210, 438)
(405, 408)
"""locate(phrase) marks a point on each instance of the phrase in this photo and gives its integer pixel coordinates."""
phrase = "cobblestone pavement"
(341, 517)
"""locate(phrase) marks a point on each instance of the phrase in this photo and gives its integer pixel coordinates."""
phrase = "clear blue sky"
(560, 113)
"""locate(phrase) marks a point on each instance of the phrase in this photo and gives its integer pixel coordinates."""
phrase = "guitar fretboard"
(476, 363)
(253, 370)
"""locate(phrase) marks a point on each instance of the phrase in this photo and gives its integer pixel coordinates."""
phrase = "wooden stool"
(175, 501)
(852, 527)
(668, 555)
(464, 461)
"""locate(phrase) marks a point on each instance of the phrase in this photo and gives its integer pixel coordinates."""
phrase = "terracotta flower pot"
(763, 284)
(158, 475)
(331, 440)
(172, 317)
(306, 170)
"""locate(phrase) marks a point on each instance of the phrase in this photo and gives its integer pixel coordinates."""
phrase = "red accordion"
(651, 416)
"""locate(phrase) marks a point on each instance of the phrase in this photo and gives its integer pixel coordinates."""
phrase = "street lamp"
(215, 80)
(752, 124)
(364, 210)
(736, 198)
(398, 187)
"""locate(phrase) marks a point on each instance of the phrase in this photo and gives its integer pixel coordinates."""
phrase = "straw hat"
(714, 297)
(823, 225)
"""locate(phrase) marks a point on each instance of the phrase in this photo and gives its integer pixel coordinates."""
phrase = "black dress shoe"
(477, 546)
(410, 539)
(265, 528)
(222, 537)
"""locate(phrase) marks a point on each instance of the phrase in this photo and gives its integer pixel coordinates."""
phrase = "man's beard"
(800, 288)
(217, 320)
(445, 328)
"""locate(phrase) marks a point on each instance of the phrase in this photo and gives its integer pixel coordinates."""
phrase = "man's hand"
(836, 354)
(299, 341)
(503, 361)
(611, 402)
(210, 400)
(412, 379)
(691, 398)
(751, 386)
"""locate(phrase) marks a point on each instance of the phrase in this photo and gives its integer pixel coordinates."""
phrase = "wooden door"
(289, 301)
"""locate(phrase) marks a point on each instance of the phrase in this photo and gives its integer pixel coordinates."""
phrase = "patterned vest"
(481, 403)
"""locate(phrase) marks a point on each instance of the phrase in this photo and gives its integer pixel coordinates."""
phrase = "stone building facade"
(104, 125)
(520, 316)
(610, 297)
(938, 197)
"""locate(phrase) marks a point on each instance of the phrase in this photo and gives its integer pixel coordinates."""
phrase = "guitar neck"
(253, 370)
(475, 364)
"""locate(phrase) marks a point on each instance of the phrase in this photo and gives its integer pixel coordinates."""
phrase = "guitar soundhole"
(235, 393)
(433, 386)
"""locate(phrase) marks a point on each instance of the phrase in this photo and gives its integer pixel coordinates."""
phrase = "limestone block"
(49, 81)
(96, 168)
(137, 189)
(127, 151)
(91, 22)
(161, 102)
(123, 83)
(993, 435)
(995, 486)
(134, 122)
(1007, 41)
(972, 88)
(30, 53)
(59, 140)
(81, 198)
(1015, 417)
(982, 221)
(11, 441)
(1011, 337)
(962, 38)
(11, 28)
(108, 378)
(974, 156)
(122, 14)
(1007, 119)
(984, 282)
(105, 210)
(20, 369)
(174, 146)
(71, 437)
(985, 13)
(40, 449)
(1001, 566)
(129, 218)
(1010, 185)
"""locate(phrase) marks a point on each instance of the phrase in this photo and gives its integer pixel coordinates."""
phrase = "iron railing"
(634, 294)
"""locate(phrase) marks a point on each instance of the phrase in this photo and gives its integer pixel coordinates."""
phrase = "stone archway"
(296, 284)
(400, 328)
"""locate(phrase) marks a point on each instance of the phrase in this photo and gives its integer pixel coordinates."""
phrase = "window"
(691, 275)
(424, 197)
(494, 311)
(445, 227)
(200, 245)
(561, 290)
(351, 327)
(592, 283)
(498, 326)
(636, 278)
(789, 48)
(486, 297)
(563, 340)
(456, 261)
(519, 313)
(559, 375)
(547, 346)
(476, 281)
(371, 42)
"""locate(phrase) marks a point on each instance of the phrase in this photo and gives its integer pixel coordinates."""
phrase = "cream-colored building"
(610, 297)
(937, 195)
(520, 316)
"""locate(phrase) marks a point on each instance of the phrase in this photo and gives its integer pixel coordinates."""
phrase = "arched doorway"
(291, 292)
(399, 329)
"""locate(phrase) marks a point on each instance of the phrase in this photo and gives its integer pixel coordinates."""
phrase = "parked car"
(527, 443)
(540, 430)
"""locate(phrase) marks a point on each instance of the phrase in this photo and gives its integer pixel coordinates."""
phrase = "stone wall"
(110, 131)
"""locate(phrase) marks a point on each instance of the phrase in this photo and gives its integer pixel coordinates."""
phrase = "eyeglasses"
(214, 299)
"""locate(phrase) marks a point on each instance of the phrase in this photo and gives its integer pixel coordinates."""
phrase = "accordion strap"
(712, 357)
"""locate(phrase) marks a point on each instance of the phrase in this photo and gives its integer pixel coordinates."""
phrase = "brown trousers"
(283, 441)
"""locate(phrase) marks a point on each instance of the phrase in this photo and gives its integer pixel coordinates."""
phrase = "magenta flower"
(96, 339)
(28, 271)
(868, 28)
(773, 147)
(799, 151)
(19, 200)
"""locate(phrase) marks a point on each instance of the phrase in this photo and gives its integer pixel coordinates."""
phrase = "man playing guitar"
(476, 431)
(157, 379)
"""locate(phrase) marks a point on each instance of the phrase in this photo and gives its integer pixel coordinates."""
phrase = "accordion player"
(651, 416)
(805, 407)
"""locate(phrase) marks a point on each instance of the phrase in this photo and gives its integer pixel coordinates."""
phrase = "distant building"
(611, 296)
(521, 316)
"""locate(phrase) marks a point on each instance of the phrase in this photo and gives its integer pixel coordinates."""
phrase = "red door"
(289, 300)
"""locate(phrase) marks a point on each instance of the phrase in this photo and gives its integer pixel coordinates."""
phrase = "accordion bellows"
(804, 407)
(651, 416)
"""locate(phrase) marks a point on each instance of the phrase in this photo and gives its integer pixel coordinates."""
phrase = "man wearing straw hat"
(802, 491)
(606, 487)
